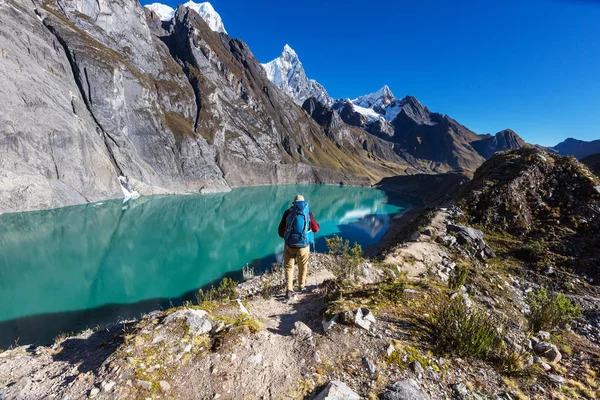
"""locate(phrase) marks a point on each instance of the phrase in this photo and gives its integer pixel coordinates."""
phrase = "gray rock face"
(407, 389)
(93, 91)
(337, 390)
(52, 153)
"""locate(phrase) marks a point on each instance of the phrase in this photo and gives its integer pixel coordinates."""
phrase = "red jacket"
(314, 226)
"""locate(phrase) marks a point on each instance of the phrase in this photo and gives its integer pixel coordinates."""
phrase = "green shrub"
(458, 276)
(225, 292)
(392, 291)
(268, 288)
(465, 331)
(349, 258)
(549, 312)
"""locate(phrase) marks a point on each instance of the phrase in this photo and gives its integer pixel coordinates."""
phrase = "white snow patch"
(205, 10)
(162, 11)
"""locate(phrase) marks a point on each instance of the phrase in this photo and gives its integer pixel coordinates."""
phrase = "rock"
(347, 318)
(432, 374)
(417, 367)
(448, 240)
(243, 309)
(460, 391)
(218, 327)
(468, 233)
(534, 341)
(336, 390)
(364, 318)
(415, 236)
(143, 384)
(370, 367)
(94, 392)
(407, 389)
(327, 325)
(556, 380)
(197, 320)
(545, 366)
(164, 386)
(107, 386)
(303, 333)
(543, 335)
(548, 351)
(390, 350)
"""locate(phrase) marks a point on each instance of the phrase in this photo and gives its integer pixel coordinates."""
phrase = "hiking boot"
(303, 289)
(289, 294)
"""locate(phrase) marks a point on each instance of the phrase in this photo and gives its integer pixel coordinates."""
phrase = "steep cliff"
(94, 91)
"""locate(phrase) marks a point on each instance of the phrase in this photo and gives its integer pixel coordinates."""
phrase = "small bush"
(392, 291)
(225, 292)
(348, 258)
(463, 331)
(549, 312)
(268, 288)
(458, 276)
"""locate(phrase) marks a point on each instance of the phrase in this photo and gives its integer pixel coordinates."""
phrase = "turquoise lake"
(67, 269)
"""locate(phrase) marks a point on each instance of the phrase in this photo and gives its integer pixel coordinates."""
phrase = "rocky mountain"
(593, 163)
(577, 148)
(503, 140)
(155, 107)
(545, 200)
(440, 143)
(287, 73)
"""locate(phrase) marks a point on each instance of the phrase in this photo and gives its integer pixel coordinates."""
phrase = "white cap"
(298, 198)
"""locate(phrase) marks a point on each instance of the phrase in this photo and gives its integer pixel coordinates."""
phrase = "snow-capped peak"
(208, 14)
(287, 73)
(162, 11)
(378, 105)
(289, 54)
(205, 10)
(380, 98)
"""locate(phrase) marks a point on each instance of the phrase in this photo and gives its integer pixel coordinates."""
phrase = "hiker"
(296, 223)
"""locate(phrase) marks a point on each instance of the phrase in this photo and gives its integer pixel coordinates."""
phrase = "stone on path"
(336, 390)
(407, 389)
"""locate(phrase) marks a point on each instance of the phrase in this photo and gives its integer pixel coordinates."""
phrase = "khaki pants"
(289, 254)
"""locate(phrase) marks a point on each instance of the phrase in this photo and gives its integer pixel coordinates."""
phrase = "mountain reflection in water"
(69, 268)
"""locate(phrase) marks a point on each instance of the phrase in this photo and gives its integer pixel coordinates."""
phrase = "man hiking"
(296, 223)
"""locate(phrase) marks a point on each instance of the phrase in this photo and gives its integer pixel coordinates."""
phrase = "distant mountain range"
(577, 148)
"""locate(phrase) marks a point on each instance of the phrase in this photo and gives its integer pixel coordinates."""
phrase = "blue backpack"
(298, 224)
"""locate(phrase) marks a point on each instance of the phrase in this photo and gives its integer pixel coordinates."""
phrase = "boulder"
(327, 325)
(303, 333)
(197, 320)
(364, 318)
(407, 389)
(336, 390)
(548, 351)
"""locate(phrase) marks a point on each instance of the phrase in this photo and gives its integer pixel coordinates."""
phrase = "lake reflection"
(66, 269)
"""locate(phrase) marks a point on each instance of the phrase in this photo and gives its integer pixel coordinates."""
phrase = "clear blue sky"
(531, 65)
